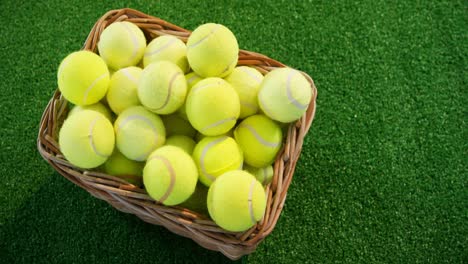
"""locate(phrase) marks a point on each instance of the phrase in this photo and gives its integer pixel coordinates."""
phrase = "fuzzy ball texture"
(138, 132)
(121, 45)
(83, 78)
(215, 156)
(170, 175)
(236, 201)
(162, 87)
(212, 50)
(213, 106)
(260, 139)
(123, 86)
(246, 81)
(284, 95)
(168, 48)
(87, 139)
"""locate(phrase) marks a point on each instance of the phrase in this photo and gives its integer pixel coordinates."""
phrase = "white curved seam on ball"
(147, 121)
(197, 88)
(233, 61)
(212, 31)
(163, 47)
(220, 122)
(143, 156)
(192, 79)
(129, 76)
(250, 74)
(91, 86)
(91, 140)
(258, 137)
(289, 92)
(202, 157)
(251, 211)
(172, 174)
(169, 91)
(135, 43)
(249, 105)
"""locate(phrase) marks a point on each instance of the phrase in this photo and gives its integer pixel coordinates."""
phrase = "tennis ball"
(170, 175)
(192, 79)
(260, 139)
(236, 201)
(215, 156)
(197, 201)
(98, 107)
(162, 87)
(212, 50)
(83, 78)
(176, 125)
(122, 44)
(86, 139)
(138, 133)
(264, 175)
(212, 106)
(284, 95)
(167, 48)
(122, 92)
(246, 81)
(120, 166)
(183, 142)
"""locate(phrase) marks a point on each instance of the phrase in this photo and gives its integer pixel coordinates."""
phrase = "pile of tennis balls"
(180, 118)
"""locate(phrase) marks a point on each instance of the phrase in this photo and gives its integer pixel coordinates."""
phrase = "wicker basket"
(131, 199)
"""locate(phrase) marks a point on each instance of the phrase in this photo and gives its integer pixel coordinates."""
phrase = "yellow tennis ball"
(246, 81)
(138, 133)
(264, 175)
(192, 79)
(284, 95)
(98, 107)
(260, 139)
(168, 48)
(122, 92)
(212, 50)
(215, 156)
(176, 125)
(83, 78)
(213, 106)
(162, 87)
(120, 166)
(183, 142)
(87, 139)
(197, 201)
(121, 45)
(170, 175)
(236, 201)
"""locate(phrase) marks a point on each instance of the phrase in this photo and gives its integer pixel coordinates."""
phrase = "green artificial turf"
(383, 172)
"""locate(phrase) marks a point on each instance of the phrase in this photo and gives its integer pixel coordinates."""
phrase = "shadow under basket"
(132, 199)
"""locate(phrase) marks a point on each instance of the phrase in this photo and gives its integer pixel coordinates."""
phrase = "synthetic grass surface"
(383, 173)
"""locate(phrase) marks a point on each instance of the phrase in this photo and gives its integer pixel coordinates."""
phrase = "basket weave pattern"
(131, 199)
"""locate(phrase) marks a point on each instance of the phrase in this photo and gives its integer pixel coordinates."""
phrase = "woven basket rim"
(132, 199)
